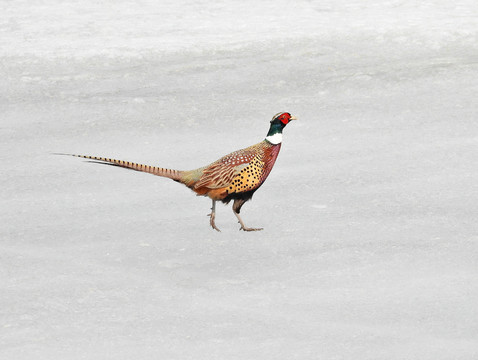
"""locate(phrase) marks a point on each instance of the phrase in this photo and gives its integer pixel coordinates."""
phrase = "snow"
(369, 248)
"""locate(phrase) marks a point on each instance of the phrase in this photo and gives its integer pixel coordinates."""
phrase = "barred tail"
(168, 173)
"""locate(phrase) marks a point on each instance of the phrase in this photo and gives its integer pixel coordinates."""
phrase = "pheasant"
(235, 176)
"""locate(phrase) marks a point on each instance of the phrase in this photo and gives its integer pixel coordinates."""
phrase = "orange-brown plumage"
(240, 172)
(235, 176)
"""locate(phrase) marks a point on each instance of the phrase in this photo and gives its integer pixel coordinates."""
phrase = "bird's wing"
(221, 173)
(217, 175)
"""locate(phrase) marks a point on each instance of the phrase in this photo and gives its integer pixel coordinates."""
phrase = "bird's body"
(235, 176)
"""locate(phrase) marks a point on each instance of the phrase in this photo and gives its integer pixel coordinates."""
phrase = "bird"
(233, 177)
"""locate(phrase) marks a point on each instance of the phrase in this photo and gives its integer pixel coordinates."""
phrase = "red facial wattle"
(284, 118)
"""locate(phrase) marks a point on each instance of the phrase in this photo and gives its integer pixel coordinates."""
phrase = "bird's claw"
(251, 229)
(211, 221)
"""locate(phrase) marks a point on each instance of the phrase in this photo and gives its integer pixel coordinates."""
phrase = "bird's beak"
(293, 118)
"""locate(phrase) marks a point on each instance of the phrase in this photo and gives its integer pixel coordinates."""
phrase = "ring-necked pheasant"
(233, 177)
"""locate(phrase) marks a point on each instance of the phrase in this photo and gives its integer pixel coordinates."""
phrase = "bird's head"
(282, 118)
(278, 122)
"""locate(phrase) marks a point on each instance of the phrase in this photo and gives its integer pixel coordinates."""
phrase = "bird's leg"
(244, 227)
(236, 208)
(213, 216)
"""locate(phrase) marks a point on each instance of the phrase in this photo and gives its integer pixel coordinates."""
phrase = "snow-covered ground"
(370, 246)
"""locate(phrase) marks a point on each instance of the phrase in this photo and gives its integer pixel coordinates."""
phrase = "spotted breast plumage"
(235, 176)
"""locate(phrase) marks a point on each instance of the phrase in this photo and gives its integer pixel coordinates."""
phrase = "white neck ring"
(275, 139)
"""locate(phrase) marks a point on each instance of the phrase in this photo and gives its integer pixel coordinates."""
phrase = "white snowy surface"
(370, 243)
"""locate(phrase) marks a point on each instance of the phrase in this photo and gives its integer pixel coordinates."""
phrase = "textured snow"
(369, 248)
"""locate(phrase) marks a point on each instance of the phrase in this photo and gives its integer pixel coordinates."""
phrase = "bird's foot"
(250, 229)
(211, 221)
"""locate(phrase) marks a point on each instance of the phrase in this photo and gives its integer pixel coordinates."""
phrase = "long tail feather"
(168, 173)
